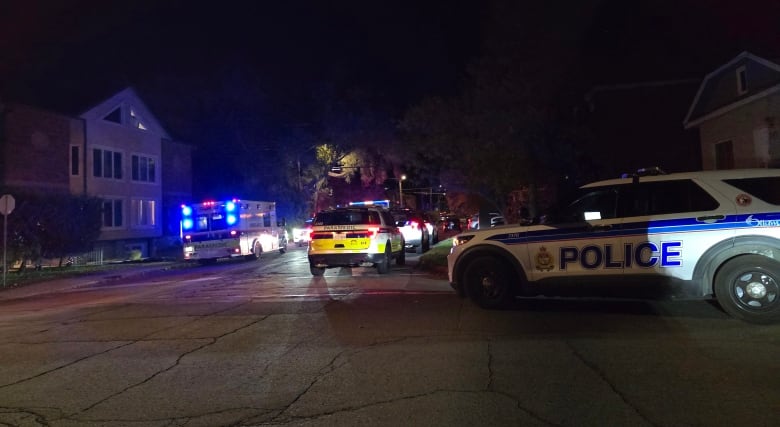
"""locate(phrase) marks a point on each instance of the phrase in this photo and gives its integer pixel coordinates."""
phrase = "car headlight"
(461, 239)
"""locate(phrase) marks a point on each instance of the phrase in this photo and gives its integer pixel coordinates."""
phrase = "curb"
(56, 285)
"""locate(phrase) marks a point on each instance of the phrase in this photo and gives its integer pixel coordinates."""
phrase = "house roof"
(126, 99)
(75, 102)
(719, 94)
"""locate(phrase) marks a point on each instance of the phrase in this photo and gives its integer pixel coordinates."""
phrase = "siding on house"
(737, 113)
(750, 128)
(114, 138)
(36, 148)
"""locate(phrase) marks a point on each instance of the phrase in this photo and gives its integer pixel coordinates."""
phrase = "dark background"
(266, 69)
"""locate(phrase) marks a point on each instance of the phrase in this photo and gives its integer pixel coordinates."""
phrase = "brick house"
(35, 146)
(115, 150)
(737, 113)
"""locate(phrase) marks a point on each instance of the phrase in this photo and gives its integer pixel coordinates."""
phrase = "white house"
(122, 165)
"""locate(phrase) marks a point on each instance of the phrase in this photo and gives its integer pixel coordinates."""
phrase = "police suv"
(355, 237)
(697, 234)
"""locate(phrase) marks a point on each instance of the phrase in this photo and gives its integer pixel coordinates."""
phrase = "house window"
(74, 160)
(136, 121)
(724, 155)
(112, 213)
(143, 213)
(143, 169)
(106, 163)
(115, 116)
(742, 84)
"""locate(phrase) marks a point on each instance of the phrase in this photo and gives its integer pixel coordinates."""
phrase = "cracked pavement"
(263, 344)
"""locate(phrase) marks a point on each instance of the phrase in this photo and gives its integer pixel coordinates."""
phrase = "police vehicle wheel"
(426, 245)
(488, 282)
(382, 267)
(400, 259)
(748, 288)
(316, 271)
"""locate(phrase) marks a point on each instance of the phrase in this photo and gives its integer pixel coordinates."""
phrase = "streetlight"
(401, 190)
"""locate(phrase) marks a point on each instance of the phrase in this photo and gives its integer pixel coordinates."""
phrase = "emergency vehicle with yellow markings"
(362, 235)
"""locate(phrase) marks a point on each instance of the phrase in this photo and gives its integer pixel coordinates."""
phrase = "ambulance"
(231, 228)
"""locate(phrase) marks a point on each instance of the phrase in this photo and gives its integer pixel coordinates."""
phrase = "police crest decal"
(544, 260)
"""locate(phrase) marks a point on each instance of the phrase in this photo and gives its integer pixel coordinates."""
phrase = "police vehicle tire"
(426, 245)
(382, 267)
(316, 271)
(400, 259)
(489, 282)
(748, 288)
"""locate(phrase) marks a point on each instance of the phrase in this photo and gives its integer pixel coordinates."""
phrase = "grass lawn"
(436, 257)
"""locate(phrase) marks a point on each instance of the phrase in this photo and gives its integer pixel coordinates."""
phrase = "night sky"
(400, 50)
(270, 59)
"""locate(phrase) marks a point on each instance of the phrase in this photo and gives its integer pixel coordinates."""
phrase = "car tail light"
(372, 232)
(414, 224)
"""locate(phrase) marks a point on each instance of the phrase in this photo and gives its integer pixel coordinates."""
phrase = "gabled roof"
(125, 107)
(719, 94)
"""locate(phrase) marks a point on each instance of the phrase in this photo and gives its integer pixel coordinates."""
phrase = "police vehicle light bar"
(382, 203)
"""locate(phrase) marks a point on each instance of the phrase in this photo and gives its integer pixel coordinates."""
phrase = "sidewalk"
(55, 285)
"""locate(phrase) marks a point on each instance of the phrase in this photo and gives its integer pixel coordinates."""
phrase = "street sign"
(7, 204)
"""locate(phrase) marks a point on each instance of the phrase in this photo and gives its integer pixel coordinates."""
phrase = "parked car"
(302, 235)
(450, 223)
(473, 223)
(413, 226)
(474, 220)
(433, 231)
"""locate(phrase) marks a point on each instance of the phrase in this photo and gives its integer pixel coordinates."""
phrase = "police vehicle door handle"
(710, 218)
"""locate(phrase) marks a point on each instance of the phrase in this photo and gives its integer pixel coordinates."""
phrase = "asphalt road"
(264, 343)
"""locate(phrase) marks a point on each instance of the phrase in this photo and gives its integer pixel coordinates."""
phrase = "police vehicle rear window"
(350, 217)
(764, 188)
